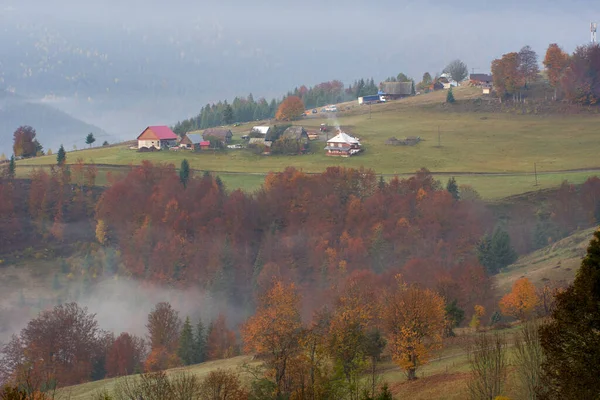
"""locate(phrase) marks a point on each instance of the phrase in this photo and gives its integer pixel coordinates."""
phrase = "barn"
(157, 136)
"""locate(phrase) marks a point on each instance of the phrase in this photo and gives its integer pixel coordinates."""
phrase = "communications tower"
(593, 27)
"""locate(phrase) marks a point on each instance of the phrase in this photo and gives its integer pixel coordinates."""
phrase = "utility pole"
(369, 110)
(535, 173)
(439, 137)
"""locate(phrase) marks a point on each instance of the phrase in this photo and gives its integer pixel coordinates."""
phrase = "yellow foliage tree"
(101, 231)
(415, 321)
(521, 301)
(275, 330)
(477, 314)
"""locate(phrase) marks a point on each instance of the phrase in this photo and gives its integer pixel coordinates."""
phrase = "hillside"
(556, 262)
(53, 126)
(493, 151)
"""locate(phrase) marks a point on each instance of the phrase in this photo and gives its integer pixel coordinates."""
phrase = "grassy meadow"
(468, 143)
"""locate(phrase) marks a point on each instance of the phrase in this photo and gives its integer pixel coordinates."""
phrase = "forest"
(313, 249)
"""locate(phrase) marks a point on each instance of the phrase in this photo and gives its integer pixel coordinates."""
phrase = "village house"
(158, 137)
(481, 79)
(262, 130)
(222, 134)
(191, 141)
(298, 133)
(260, 143)
(396, 90)
(342, 145)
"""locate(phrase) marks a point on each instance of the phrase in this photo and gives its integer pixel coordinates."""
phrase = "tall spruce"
(452, 188)
(90, 139)
(186, 343)
(184, 173)
(450, 96)
(61, 156)
(200, 343)
(12, 167)
(571, 340)
(496, 252)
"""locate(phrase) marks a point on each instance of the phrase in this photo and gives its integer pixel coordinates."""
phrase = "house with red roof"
(157, 137)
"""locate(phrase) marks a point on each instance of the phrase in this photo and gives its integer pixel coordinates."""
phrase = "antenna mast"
(593, 27)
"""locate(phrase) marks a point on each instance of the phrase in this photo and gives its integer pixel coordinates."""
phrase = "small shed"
(392, 141)
(222, 134)
(263, 130)
(204, 145)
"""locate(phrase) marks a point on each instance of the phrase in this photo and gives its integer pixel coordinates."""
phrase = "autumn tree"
(90, 139)
(125, 356)
(457, 70)
(220, 341)
(164, 327)
(528, 358)
(291, 108)
(555, 62)
(61, 156)
(415, 321)
(528, 65)
(186, 343)
(275, 329)
(507, 75)
(570, 340)
(59, 346)
(426, 81)
(222, 385)
(24, 142)
(521, 301)
(581, 79)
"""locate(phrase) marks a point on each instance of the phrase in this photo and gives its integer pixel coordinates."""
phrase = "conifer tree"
(12, 167)
(61, 156)
(571, 341)
(90, 139)
(184, 172)
(450, 96)
(200, 343)
(452, 188)
(186, 343)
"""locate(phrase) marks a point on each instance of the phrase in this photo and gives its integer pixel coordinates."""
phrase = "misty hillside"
(53, 126)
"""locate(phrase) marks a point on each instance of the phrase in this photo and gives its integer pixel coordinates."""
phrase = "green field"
(468, 142)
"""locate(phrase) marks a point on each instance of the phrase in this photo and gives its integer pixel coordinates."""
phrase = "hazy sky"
(205, 51)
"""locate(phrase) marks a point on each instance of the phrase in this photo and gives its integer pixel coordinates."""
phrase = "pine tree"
(228, 114)
(61, 156)
(12, 167)
(105, 143)
(186, 343)
(570, 340)
(199, 343)
(450, 96)
(184, 172)
(501, 249)
(452, 188)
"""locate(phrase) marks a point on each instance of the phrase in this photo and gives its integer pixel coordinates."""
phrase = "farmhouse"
(396, 90)
(191, 141)
(298, 133)
(261, 144)
(157, 136)
(480, 79)
(224, 135)
(342, 145)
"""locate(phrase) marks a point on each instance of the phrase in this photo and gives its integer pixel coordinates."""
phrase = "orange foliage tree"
(291, 108)
(507, 74)
(164, 326)
(275, 330)
(521, 301)
(415, 320)
(220, 341)
(555, 62)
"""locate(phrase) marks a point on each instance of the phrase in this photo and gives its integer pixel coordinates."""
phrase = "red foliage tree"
(125, 356)
(220, 341)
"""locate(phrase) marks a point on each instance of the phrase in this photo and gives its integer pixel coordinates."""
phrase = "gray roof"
(218, 133)
(481, 77)
(195, 138)
(397, 88)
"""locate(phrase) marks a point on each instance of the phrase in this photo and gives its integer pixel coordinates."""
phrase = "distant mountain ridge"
(53, 126)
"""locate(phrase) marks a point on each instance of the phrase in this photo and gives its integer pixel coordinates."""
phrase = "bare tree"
(487, 359)
(457, 69)
(528, 64)
(528, 358)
